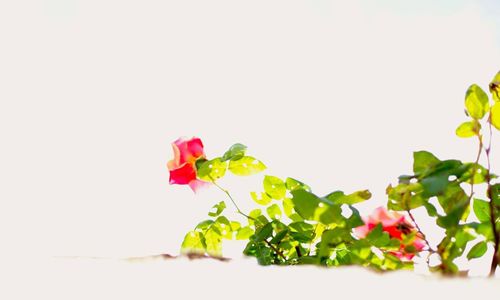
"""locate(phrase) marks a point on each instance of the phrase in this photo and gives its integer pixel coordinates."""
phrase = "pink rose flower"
(182, 168)
(396, 225)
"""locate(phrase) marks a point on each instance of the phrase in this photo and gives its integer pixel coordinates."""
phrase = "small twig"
(423, 236)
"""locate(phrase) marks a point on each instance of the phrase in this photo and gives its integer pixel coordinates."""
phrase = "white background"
(335, 93)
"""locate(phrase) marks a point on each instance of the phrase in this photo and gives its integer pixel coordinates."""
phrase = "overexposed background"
(335, 93)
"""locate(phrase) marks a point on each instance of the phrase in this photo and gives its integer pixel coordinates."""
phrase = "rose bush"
(396, 225)
(292, 225)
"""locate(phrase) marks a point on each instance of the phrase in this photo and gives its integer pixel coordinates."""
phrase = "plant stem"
(429, 248)
(232, 200)
(496, 238)
(277, 251)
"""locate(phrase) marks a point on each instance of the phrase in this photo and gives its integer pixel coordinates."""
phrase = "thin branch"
(429, 248)
(494, 260)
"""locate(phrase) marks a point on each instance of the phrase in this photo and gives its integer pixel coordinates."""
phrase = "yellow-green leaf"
(264, 199)
(476, 102)
(245, 166)
(468, 129)
(274, 187)
(212, 170)
(495, 87)
(274, 212)
(495, 115)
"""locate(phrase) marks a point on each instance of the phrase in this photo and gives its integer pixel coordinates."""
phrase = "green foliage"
(212, 169)
(294, 226)
(477, 250)
(274, 187)
(247, 165)
(476, 102)
(236, 152)
(468, 129)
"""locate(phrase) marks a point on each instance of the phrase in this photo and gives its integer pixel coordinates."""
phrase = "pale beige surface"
(72, 278)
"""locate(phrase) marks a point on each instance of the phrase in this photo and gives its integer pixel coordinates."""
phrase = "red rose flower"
(396, 225)
(182, 168)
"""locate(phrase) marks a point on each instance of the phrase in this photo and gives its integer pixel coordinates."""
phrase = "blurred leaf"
(192, 243)
(378, 237)
(481, 210)
(293, 184)
(262, 200)
(288, 206)
(244, 233)
(476, 102)
(305, 203)
(217, 209)
(237, 151)
(274, 187)
(279, 236)
(495, 115)
(495, 87)
(212, 170)
(265, 232)
(424, 161)
(339, 197)
(468, 129)
(245, 166)
(274, 212)
(477, 251)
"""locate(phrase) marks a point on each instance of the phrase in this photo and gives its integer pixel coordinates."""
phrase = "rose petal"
(197, 185)
(189, 150)
(183, 175)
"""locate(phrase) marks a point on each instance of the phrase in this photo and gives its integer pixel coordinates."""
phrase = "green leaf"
(192, 243)
(212, 170)
(244, 233)
(217, 209)
(495, 87)
(274, 212)
(262, 200)
(274, 187)
(279, 236)
(293, 184)
(495, 115)
(468, 129)
(305, 203)
(245, 166)
(477, 251)
(481, 210)
(339, 197)
(237, 151)
(288, 207)
(213, 242)
(424, 161)
(265, 232)
(476, 102)
(378, 237)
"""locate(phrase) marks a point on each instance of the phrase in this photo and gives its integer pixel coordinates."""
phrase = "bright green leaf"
(477, 251)
(468, 129)
(217, 209)
(481, 210)
(245, 166)
(237, 151)
(305, 203)
(192, 243)
(212, 170)
(424, 161)
(495, 115)
(262, 200)
(293, 184)
(274, 187)
(244, 233)
(274, 212)
(476, 102)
